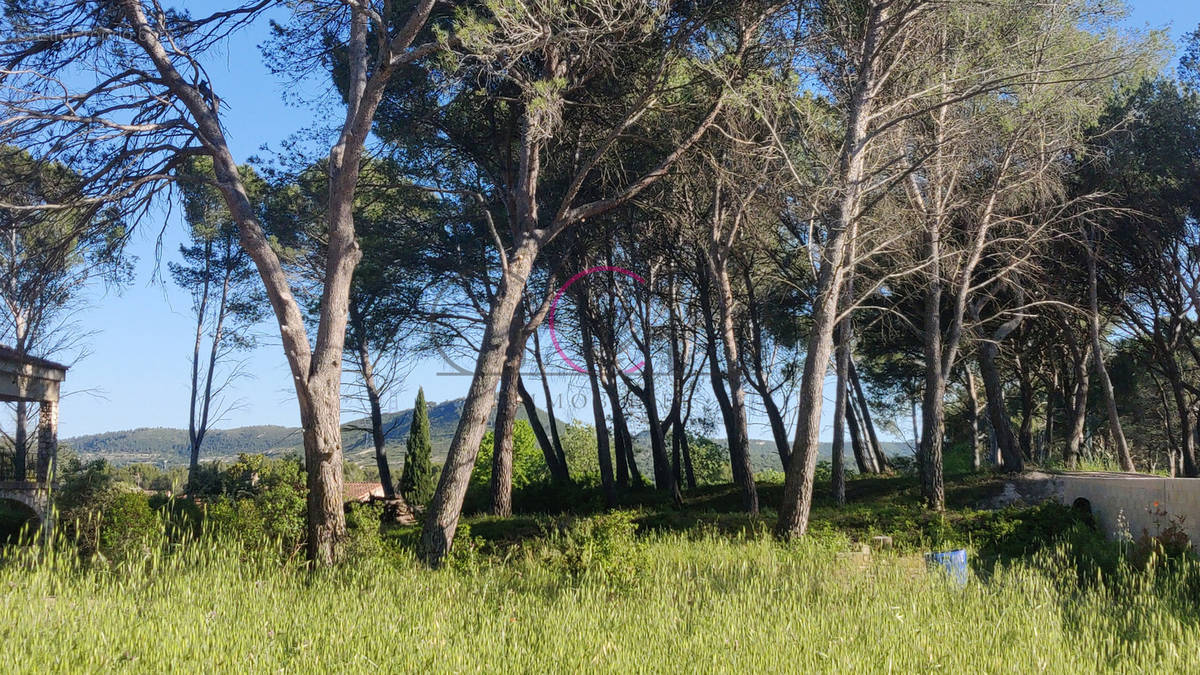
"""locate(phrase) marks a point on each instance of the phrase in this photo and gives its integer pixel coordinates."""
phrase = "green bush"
(266, 512)
(529, 466)
(363, 523)
(128, 527)
(600, 547)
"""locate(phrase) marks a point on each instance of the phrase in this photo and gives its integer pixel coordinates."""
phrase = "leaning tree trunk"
(863, 459)
(558, 472)
(551, 420)
(1106, 388)
(444, 509)
(881, 463)
(608, 382)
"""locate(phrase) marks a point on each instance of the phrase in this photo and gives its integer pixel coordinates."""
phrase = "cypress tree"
(417, 481)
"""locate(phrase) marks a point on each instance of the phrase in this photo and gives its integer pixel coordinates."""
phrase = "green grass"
(671, 604)
(645, 590)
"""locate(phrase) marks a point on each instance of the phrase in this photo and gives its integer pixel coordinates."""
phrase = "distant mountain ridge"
(163, 445)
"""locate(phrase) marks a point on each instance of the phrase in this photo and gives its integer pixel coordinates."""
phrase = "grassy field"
(637, 591)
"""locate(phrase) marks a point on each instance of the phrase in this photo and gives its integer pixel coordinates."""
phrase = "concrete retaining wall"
(1125, 505)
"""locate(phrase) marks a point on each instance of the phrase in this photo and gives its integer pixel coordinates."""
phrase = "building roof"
(361, 492)
(9, 354)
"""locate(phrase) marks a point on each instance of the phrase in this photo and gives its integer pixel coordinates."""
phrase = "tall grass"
(665, 602)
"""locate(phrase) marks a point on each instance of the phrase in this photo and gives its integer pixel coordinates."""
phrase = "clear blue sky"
(137, 372)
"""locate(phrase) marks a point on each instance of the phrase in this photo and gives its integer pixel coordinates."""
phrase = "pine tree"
(417, 480)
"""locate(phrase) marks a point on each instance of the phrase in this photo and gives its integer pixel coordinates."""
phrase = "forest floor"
(649, 588)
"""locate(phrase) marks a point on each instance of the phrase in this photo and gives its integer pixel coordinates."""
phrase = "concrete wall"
(1123, 504)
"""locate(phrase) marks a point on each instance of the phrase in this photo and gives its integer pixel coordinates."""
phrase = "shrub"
(128, 527)
(710, 460)
(363, 538)
(1169, 546)
(600, 547)
(529, 466)
(263, 504)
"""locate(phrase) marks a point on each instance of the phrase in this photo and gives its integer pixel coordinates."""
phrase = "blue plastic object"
(954, 563)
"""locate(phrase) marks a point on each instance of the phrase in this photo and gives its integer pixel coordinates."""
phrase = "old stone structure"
(25, 378)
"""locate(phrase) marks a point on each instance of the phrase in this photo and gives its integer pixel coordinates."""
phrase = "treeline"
(951, 210)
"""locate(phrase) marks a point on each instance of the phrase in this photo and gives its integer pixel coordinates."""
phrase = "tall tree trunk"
(551, 420)
(1187, 439)
(714, 366)
(1078, 402)
(852, 170)
(739, 435)
(602, 447)
(1048, 433)
(842, 361)
(1025, 383)
(973, 420)
(994, 455)
(688, 470)
(1010, 453)
(201, 316)
(676, 454)
(316, 368)
(373, 401)
(446, 506)
(1110, 400)
(933, 402)
(506, 417)
(881, 462)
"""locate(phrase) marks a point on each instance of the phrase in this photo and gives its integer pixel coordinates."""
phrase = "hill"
(166, 446)
(162, 445)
